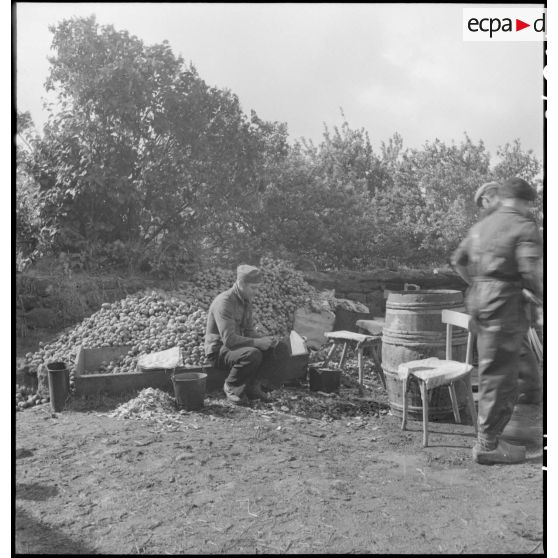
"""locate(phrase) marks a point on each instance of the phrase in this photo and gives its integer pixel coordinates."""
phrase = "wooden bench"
(357, 341)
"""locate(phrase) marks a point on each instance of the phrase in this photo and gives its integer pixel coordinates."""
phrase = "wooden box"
(90, 384)
(89, 360)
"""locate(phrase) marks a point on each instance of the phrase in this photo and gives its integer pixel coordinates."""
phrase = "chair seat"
(433, 371)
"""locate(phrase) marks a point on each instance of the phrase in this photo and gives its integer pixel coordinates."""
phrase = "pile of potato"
(157, 320)
(26, 397)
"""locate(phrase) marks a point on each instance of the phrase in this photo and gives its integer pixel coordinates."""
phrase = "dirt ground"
(264, 479)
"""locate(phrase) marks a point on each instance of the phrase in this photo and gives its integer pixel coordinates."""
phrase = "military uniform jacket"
(505, 247)
(229, 322)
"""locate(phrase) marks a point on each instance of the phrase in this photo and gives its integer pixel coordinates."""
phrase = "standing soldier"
(487, 199)
(503, 251)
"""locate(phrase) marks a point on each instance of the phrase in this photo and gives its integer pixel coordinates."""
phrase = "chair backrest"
(458, 319)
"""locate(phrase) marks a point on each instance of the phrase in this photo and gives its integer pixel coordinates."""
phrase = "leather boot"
(532, 397)
(503, 453)
(255, 391)
(233, 397)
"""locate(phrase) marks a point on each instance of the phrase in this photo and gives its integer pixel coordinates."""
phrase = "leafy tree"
(139, 149)
(514, 161)
(141, 161)
(345, 159)
(27, 219)
(429, 204)
(313, 208)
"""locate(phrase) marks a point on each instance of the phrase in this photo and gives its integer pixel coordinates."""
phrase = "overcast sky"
(391, 67)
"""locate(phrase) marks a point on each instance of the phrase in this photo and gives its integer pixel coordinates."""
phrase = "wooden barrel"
(414, 330)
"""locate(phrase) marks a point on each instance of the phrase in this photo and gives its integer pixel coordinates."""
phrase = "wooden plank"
(349, 336)
(298, 346)
(80, 362)
(114, 384)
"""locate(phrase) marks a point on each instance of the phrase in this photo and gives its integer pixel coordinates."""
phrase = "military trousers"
(530, 379)
(246, 365)
(500, 322)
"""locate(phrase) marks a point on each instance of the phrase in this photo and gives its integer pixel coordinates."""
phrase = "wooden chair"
(433, 372)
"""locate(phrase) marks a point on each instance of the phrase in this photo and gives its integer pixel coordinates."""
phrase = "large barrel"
(414, 330)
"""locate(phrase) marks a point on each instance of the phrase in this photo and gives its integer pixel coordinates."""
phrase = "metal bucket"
(324, 379)
(58, 384)
(189, 389)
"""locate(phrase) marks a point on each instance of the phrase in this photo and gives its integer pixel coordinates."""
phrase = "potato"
(157, 320)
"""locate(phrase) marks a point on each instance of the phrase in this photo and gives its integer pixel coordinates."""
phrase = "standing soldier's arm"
(460, 260)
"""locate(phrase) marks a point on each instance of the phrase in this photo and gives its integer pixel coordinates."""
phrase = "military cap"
(517, 188)
(248, 274)
(487, 189)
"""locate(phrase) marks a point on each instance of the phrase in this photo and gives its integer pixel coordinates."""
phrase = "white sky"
(301, 66)
(391, 67)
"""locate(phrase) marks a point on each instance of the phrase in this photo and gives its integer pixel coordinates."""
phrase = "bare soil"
(266, 479)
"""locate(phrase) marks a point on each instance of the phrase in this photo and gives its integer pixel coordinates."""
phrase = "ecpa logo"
(504, 24)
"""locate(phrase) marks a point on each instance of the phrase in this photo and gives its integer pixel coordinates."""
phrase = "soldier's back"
(494, 242)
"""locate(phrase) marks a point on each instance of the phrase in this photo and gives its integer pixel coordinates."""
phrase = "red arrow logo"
(519, 25)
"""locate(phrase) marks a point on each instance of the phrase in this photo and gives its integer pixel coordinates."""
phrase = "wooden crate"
(89, 360)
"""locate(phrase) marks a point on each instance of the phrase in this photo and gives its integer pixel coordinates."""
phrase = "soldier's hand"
(539, 316)
(263, 343)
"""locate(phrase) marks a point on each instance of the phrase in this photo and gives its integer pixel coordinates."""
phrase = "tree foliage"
(139, 148)
(141, 162)
(27, 229)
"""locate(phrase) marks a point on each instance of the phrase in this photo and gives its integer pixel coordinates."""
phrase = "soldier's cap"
(248, 274)
(487, 189)
(517, 188)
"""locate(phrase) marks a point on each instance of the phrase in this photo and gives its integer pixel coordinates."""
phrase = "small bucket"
(58, 385)
(189, 389)
(324, 379)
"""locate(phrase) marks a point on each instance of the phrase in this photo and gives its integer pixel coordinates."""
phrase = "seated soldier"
(231, 343)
